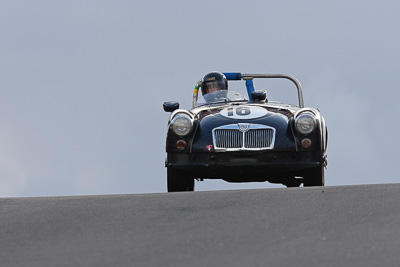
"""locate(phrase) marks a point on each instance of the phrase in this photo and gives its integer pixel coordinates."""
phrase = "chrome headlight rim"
(304, 119)
(181, 125)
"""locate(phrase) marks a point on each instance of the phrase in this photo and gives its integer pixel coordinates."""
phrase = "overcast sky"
(82, 85)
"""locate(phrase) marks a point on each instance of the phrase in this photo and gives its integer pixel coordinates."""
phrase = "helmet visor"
(215, 86)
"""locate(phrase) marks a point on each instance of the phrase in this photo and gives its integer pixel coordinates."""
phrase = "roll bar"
(235, 76)
(250, 85)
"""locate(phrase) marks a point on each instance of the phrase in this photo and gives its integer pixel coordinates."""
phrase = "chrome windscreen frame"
(240, 127)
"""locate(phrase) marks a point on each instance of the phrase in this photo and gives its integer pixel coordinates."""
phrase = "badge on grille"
(243, 127)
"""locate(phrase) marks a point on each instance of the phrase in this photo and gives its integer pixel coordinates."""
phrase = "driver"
(213, 81)
(214, 87)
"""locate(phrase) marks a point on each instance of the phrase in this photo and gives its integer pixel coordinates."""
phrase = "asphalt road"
(322, 226)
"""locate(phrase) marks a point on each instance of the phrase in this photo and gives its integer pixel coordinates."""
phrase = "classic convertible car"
(229, 136)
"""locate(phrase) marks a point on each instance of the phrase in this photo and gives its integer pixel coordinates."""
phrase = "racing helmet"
(213, 81)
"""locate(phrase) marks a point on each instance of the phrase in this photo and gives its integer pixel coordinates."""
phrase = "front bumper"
(245, 167)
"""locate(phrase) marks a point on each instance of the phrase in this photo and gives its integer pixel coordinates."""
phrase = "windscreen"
(220, 96)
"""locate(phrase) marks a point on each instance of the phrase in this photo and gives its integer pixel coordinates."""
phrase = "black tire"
(179, 181)
(315, 176)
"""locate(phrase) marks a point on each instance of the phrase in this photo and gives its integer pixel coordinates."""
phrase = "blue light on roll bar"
(233, 76)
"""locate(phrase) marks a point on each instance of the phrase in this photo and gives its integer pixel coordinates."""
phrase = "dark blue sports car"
(238, 138)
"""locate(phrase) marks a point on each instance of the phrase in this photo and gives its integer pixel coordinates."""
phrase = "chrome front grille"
(258, 138)
(228, 138)
(242, 136)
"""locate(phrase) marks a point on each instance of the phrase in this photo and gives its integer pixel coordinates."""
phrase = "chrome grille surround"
(243, 137)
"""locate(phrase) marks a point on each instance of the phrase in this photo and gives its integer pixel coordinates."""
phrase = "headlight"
(305, 123)
(181, 125)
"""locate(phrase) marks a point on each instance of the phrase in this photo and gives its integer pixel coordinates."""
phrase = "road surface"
(322, 226)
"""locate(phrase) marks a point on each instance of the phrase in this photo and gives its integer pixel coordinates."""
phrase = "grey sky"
(82, 84)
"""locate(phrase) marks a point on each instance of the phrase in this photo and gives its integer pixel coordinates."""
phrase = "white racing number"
(240, 111)
(243, 112)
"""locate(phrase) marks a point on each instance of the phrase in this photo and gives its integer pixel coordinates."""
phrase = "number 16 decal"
(240, 111)
(243, 112)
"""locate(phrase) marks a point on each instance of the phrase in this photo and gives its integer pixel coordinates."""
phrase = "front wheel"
(315, 176)
(179, 181)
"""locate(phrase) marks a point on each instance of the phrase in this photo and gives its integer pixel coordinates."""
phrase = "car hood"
(211, 117)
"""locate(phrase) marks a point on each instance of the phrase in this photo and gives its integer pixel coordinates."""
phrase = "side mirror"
(170, 106)
(259, 96)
